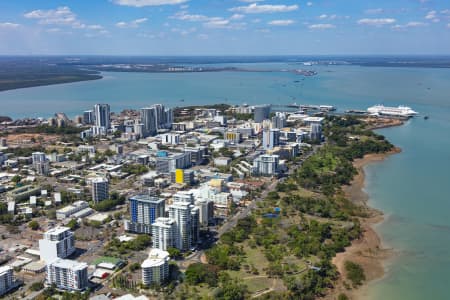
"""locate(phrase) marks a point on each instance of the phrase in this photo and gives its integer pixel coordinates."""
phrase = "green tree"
(16, 179)
(174, 253)
(355, 273)
(73, 224)
(33, 225)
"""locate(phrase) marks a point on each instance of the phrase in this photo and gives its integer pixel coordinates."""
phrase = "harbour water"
(412, 188)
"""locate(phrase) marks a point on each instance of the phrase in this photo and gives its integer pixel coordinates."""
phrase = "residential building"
(197, 154)
(7, 280)
(144, 210)
(58, 242)
(182, 213)
(279, 120)
(40, 163)
(195, 225)
(67, 274)
(233, 136)
(184, 196)
(261, 113)
(206, 210)
(316, 132)
(148, 120)
(155, 269)
(164, 233)
(266, 165)
(102, 116)
(169, 164)
(100, 189)
(270, 138)
(88, 117)
(183, 176)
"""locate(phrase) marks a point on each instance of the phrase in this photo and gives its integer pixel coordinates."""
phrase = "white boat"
(400, 111)
(327, 108)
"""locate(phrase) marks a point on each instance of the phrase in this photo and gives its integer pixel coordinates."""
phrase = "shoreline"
(368, 251)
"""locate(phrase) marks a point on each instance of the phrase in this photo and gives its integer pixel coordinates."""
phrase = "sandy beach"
(367, 251)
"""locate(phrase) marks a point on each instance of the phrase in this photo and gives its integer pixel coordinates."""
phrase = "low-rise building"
(69, 210)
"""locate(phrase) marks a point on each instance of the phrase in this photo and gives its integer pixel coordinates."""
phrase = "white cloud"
(255, 8)
(212, 22)
(59, 16)
(309, 4)
(433, 15)
(374, 11)
(54, 30)
(142, 3)
(132, 24)
(217, 23)
(377, 22)
(328, 17)
(62, 16)
(9, 25)
(237, 17)
(184, 16)
(448, 25)
(251, 1)
(409, 25)
(202, 36)
(281, 22)
(321, 26)
(184, 32)
(94, 27)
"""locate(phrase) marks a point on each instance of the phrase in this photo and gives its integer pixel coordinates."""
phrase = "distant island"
(23, 72)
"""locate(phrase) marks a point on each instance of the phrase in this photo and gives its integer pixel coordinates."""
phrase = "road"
(230, 223)
(247, 210)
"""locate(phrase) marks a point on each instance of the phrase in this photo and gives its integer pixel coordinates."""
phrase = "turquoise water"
(412, 188)
(344, 86)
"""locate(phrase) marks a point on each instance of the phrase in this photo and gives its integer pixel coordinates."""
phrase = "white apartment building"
(164, 233)
(58, 242)
(266, 165)
(181, 213)
(184, 196)
(40, 163)
(67, 274)
(7, 280)
(100, 189)
(155, 269)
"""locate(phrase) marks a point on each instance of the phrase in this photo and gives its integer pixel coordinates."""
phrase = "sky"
(224, 27)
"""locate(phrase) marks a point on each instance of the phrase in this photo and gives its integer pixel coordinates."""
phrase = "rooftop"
(147, 198)
(156, 258)
(58, 230)
(69, 264)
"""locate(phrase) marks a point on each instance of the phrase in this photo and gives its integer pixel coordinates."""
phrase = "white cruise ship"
(400, 111)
